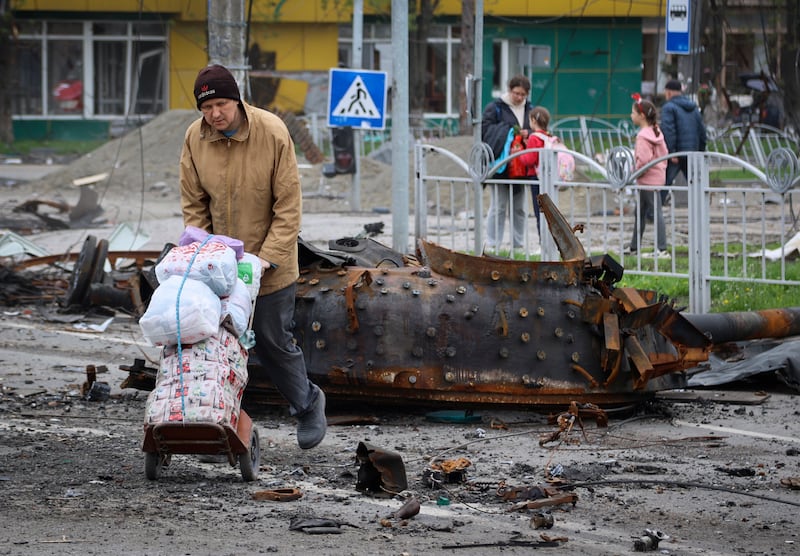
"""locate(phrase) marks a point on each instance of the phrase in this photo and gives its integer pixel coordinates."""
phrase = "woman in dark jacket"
(501, 115)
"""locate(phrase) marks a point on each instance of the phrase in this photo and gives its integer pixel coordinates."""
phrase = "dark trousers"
(649, 206)
(672, 172)
(282, 359)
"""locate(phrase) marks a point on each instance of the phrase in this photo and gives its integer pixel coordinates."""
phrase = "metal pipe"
(747, 325)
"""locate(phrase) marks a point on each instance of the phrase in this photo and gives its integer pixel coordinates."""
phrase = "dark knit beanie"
(215, 82)
(673, 85)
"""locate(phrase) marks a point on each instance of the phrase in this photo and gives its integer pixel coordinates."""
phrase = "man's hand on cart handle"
(266, 265)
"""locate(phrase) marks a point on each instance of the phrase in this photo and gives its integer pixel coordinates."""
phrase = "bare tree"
(783, 66)
(7, 68)
(418, 71)
(790, 65)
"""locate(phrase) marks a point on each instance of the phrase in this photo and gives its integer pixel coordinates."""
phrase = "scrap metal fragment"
(631, 299)
(278, 494)
(32, 207)
(91, 376)
(547, 538)
(542, 520)
(610, 356)
(792, 483)
(569, 246)
(575, 414)
(524, 492)
(381, 472)
(641, 362)
(452, 465)
(649, 541)
(556, 500)
(409, 509)
(516, 540)
(139, 376)
(354, 280)
(318, 525)
(447, 471)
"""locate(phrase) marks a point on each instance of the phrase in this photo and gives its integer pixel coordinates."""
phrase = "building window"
(90, 69)
(505, 64)
(65, 76)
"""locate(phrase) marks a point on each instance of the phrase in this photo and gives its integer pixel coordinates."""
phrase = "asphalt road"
(712, 474)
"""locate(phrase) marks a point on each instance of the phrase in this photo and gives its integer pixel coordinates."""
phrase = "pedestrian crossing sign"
(357, 98)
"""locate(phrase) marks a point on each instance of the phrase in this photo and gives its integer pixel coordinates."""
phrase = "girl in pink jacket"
(650, 145)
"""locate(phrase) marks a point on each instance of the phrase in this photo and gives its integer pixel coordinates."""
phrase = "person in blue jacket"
(683, 128)
(502, 114)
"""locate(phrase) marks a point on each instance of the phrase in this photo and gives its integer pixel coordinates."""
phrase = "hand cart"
(162, 440)
(242, 445)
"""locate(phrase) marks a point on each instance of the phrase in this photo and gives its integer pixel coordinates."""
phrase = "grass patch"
(744, 295)
(726, 296)
(60, 148)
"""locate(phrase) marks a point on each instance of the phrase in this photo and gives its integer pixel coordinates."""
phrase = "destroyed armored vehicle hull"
(448, 327)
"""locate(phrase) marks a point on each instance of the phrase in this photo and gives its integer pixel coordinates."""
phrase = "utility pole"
(356, 62)
(400, 128)
(226, 32)
(477, 68)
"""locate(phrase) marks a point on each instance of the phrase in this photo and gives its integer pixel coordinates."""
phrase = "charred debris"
(443, 327)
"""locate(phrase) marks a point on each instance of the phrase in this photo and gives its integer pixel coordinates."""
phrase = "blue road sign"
(357, 98)
(678, 17)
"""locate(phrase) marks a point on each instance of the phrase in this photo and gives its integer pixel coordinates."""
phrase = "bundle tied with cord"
(201, 314)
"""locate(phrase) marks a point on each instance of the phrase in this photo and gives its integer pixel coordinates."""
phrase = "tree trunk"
(466, 59)
(790, 72)
(8, 46)
(418, 64)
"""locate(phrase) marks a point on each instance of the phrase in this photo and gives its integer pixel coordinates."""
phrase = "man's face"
(221, 113)
(669, 93)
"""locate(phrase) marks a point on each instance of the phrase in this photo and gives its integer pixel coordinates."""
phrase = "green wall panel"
(62, 130)
(593, 71)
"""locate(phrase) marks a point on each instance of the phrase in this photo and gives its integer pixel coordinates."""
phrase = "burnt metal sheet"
(778, 357)
(569, 246)
(381, 472)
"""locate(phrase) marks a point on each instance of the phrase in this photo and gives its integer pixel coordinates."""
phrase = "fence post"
(754, 138)
(478, 189)
(420, 193)
(547, 186)
(586, 138)
(699, 206)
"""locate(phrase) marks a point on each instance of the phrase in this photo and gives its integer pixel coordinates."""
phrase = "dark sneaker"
(312, 424)
(660, 254)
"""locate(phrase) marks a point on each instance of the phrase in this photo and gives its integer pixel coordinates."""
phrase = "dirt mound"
(147, 156)
(144, 164)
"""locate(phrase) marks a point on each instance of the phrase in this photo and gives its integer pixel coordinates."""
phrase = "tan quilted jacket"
(246, 187)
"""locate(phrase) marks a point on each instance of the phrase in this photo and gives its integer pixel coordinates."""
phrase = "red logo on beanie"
(204, 88)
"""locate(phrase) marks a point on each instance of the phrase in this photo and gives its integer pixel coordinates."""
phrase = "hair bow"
(637, 98)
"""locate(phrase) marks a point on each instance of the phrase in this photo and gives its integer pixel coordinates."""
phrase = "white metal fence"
(731, 220)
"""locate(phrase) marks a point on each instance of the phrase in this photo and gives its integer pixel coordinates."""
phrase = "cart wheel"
(250, 461)
(153, 463)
